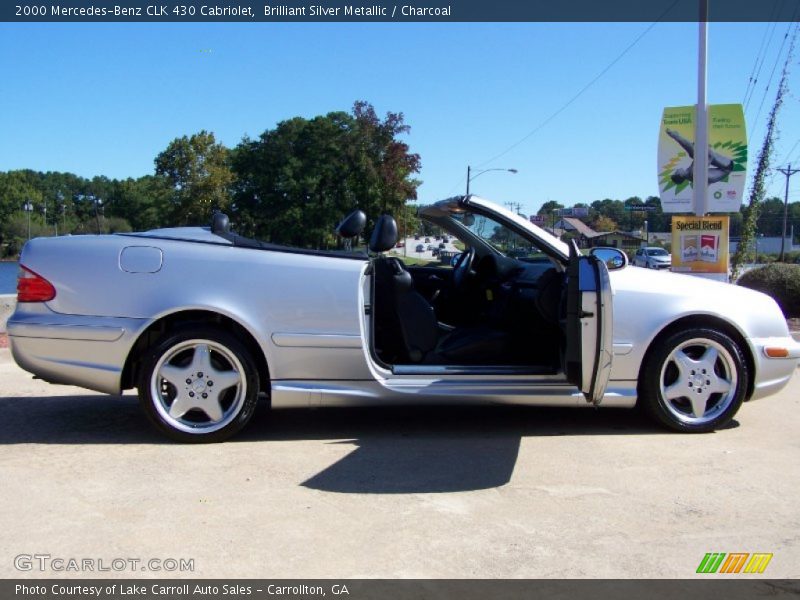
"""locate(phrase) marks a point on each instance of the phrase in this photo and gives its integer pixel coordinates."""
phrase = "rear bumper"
(772, 374)
(88, 352)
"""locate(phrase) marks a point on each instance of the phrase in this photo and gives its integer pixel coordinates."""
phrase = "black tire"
(700, 361)
(193, 407)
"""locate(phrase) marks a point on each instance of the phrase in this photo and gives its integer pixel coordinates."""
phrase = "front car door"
(589, 345)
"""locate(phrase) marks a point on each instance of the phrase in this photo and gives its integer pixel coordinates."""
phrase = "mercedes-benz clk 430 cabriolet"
(203, 321)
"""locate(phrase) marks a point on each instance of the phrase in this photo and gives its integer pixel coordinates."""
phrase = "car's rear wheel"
(694, 380)
(198, 384)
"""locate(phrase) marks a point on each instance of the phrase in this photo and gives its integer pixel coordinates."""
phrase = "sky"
(106, 98)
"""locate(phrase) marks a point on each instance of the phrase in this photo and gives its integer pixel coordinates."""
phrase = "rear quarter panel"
(269, 293)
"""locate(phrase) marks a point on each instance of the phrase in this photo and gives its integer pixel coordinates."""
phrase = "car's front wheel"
(198, 384)
(694, 380)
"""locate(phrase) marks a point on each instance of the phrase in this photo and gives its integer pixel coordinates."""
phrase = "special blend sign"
(700, 245)
(727, 158)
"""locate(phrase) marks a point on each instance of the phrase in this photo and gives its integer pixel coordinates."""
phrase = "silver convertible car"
(204, 321)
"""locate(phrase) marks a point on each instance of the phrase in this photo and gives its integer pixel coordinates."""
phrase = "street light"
(28, 208)
(470, 176)
(98, 203)
(62, 207)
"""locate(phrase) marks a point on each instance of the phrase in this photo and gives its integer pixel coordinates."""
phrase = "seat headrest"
(220, 223)
(352, 225)
(384, 236)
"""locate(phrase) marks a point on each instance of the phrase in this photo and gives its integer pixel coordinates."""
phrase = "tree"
(548, 207)
(295, 182)
(198, 169)
(744, 251)
(604, 223)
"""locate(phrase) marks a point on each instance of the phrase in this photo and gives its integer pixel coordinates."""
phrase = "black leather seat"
(406, 328)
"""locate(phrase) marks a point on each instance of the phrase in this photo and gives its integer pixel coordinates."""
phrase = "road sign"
(640, 207)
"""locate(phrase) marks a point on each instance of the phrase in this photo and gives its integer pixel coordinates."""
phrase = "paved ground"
(492, 492)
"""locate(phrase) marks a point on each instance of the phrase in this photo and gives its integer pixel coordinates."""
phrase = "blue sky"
(106, 98)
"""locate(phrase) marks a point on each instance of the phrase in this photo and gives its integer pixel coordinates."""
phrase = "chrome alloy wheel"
(198, 386)
(698, 381)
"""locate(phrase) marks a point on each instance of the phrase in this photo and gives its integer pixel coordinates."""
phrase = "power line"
(760, 55)
(594, 80)
(566, 105)
(774, 67)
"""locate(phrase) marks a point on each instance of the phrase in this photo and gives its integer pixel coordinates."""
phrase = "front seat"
(406, 328)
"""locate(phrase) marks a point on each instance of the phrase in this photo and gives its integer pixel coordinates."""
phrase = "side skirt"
(294, 394)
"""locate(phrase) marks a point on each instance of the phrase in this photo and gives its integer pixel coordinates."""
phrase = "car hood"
(648, 291)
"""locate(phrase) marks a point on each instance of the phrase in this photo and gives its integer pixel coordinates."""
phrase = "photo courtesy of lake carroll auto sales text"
(401, 301)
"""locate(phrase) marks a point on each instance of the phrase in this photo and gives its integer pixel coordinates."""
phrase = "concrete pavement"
(490, 492)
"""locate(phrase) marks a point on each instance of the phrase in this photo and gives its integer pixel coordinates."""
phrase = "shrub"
(779, 280)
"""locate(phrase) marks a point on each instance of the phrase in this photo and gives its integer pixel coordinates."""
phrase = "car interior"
(489, 309)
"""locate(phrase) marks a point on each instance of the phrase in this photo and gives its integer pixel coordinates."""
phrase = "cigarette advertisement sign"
(727, 158)
(700, 245)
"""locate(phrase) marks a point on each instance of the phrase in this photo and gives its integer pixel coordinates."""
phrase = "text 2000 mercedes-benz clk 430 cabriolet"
(202, 321)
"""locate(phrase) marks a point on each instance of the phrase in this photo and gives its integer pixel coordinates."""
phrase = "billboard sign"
(700, 245)
(727, 158)
(537, 220)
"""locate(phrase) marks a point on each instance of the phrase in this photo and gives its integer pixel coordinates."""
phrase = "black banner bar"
(743, 587)
(382, 11)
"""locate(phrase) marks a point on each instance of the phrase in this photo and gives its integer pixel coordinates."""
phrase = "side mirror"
(614, 258)
(468, 220)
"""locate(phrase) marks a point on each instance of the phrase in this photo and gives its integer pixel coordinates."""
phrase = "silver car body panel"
(307, 313)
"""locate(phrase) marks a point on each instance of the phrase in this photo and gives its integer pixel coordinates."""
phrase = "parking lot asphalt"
(494, 492)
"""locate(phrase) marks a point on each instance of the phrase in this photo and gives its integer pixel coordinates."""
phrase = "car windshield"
(500, 237)
(657, 252)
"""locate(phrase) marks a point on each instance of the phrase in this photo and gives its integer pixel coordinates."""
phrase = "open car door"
(589, 325)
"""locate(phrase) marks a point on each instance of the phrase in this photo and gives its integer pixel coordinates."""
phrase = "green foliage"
(779, 280)
(198, 170)
(295, 182)
(744, 251)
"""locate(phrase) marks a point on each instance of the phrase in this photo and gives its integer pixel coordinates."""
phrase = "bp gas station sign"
(727, 158)
(700, 242)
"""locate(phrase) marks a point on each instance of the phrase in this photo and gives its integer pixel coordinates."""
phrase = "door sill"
(473, 370)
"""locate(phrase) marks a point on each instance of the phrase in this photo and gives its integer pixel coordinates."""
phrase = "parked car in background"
(204, 322)
(652, 257)
(420, 248)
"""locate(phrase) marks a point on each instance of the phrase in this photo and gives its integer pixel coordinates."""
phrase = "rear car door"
(589, 343)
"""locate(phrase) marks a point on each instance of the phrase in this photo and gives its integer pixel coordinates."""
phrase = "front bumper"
(773, 373)
(85, 351)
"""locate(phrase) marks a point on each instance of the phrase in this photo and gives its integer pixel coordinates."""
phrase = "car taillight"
(32, 287)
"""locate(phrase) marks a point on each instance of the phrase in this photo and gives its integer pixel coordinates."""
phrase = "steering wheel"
(462, 268)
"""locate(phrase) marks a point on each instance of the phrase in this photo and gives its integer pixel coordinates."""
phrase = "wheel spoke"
(709, 359)
(698, 404)
(175, 375)
(211, 407)
(684, 363)
(201, 361)
(720, 385)
(222, 380)
(180, 406)
(676, 390)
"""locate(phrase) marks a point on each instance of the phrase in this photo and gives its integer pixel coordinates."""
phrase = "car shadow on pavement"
(398, 449)
(401, 450)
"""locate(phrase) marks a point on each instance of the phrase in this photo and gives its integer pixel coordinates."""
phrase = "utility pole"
(788, 171)
(701, 118)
